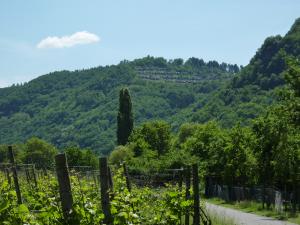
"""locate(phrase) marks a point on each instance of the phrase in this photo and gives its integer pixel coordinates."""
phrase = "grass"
(217, 219)
(256, 208)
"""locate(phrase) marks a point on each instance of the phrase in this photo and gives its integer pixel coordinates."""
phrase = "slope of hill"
(266, 67)
(80, 107)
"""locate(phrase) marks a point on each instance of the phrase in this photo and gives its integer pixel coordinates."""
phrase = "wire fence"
(272, 197)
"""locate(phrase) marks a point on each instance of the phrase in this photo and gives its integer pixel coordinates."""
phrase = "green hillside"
(80, 107)
(266, 67)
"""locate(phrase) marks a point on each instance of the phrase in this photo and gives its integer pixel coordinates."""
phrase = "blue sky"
(222, 30)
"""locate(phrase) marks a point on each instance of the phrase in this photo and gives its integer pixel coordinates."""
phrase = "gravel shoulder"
(243, 218)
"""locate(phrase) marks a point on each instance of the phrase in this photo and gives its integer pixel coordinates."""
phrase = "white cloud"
(82, 37)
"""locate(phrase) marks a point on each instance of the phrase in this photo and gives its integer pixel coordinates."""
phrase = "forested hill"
(80, 107)
(266, 67)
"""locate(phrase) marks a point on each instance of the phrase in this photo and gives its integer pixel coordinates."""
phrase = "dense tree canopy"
(266, 153)
(81, 107)
(39, 152)
(125, 117)
(266, 67)
(80, 157)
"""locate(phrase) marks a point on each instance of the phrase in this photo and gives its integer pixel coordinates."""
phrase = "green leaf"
(22, 209)
(3, 205)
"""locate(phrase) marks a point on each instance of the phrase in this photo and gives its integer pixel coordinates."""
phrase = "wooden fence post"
(104, 183)
(196, 195)
(15, 174)
(98, 178)
(27, 175)
(110, 179)
(95, 180)
(128, 184)
(294, 198)
(187, 191)
(180, 177)
(8, 176)
(180, 174)
(34, 176)
(45, 171)
(64, 184)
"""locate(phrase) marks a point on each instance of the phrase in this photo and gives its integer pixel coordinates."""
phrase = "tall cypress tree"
(125, 117)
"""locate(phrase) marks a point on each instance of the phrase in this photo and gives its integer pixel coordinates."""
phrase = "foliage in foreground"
(42, 206)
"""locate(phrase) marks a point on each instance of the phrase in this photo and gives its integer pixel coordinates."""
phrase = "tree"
(39, 152)
(153, 136)
(207, 143)
(80, 157)
(291, 107)
(186, 130)
(125, 117)
(292, 75)
(195, 62)
(119, 155)
(177, 62)
(240, 163)
(158, 135)
(3, 154)
(271, 132)
(74, 156)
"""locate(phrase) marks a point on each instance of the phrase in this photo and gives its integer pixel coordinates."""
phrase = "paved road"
(242, 218)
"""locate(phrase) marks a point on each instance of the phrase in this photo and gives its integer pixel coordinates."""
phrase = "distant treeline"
(41, 153)
(190, 64)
